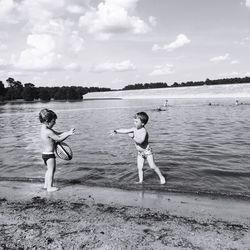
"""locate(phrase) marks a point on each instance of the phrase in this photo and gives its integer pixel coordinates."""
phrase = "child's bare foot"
(162, 180)
(52, 189)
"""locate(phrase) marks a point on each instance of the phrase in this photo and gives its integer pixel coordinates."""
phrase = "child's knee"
(152, 166)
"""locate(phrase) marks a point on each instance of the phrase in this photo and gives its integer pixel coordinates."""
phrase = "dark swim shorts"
(48, 156)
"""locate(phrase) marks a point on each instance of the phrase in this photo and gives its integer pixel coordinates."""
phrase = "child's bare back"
(48, 142)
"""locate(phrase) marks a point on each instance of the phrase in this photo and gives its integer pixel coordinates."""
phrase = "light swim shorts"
(145, 153)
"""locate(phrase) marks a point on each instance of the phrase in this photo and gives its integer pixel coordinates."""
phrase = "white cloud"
(8, 11)
(52, 26)
(42, 42)
(64, 34)
(118, 82)
(40, 12)
(52, 34)
(126, 4)
(3, 63)
(229, 74)
(243, 41)
(247, 74)
(248, 3)
(180, 41)
(75, 9)
(43, 16)
(220, 58)
(116, 67)
(156, 47)
(40, 56)
(235, 62)
(152, 20)
(76, 41)
(6, 6)
(162, 70)
(73, 67)
(3, 46)
(16, 73)
(33, 59)
(112, 17)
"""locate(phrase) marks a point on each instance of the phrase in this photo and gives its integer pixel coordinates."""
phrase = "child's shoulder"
(142, 130)
(46, 130)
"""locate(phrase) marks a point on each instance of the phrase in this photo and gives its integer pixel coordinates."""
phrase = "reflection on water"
(198, 147)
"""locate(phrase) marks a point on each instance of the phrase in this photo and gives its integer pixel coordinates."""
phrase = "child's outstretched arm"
(61, 137)
(56, 132)
(122, 131)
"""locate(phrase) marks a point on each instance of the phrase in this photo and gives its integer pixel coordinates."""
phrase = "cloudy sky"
(113, 43)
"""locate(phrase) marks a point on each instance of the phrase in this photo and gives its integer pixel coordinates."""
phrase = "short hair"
(47, 115)
(143, 117)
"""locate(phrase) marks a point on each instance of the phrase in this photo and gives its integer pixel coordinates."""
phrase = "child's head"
(47, 115)
(142, 116)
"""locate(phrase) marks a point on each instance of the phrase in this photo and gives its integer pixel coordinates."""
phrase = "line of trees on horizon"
(29, 92)
(187, 84)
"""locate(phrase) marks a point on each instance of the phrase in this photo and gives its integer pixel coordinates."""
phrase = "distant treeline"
(187, 84)
(28, 92)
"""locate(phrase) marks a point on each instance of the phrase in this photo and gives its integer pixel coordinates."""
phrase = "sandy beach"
(81, 217)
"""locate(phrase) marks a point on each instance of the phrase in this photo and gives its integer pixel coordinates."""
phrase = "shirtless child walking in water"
(49, 138)
(140, 136)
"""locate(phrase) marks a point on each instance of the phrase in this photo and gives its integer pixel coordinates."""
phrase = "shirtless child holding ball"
(49, 138)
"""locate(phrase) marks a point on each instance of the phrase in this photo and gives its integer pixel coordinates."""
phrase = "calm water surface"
(199, 148)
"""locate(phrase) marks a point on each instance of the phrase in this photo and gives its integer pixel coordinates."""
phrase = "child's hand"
(72, 131)
(113, 132)
(131, 135)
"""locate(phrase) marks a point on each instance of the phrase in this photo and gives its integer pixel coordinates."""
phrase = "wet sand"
(81, 217)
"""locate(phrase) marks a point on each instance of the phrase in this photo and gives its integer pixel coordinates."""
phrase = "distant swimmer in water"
(240, 103)
(213, 104)
(165, 103)
(164, 107)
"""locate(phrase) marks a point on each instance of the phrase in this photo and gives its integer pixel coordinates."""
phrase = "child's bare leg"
(45, 180)
(49, 175)
(140, 163)
(152, 165)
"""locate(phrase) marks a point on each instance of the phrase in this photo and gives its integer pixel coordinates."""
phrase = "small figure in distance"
(238, 103)
(49, 138)
(140, 136)
(214, 104)
(165, 103)
(164, 107)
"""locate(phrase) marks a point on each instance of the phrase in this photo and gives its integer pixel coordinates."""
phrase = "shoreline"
(163, 189)
(108, 218)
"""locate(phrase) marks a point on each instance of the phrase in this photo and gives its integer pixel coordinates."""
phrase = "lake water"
(199, 148)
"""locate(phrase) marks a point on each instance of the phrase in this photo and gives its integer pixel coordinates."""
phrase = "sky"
(114, 43)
